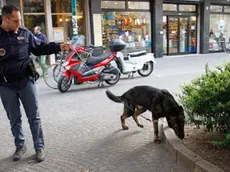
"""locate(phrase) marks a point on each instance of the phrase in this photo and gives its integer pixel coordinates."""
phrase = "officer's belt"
(11, 79)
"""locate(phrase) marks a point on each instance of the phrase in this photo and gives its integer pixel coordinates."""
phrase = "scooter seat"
(137, 54)
(97, 59)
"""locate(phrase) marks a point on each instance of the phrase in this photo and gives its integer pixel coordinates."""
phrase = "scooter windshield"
(78, 42)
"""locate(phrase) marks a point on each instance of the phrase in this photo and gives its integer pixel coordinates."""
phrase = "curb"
(182, 155)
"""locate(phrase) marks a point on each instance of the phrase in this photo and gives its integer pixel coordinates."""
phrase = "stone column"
(204, 26)
(87, 22)
(95, 15)
(157, 31)
(49, 28)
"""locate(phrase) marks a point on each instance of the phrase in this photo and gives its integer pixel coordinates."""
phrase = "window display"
(219, 31)
(131, 27)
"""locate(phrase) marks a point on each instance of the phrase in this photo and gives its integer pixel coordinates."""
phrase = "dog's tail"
(111, 96)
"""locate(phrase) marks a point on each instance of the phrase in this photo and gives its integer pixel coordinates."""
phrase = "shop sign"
(58, 34)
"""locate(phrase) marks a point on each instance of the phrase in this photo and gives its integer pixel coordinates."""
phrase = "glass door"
(173, 27)
(179, 34)
(165, 33)
(183, 35)
(192, 34)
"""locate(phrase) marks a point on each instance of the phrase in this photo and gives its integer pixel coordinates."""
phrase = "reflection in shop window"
(62, 17)
(131, 27)
(192, 34)
(34, 14)
(169, 7)
(80, 17)
(61, 6)
(31, 21)
(64, 22)
(219, 31)
(165, 34)
(227, 9)
(216, 8)
(189, 8)
(113, 4)
(31, 6)
(138, 5)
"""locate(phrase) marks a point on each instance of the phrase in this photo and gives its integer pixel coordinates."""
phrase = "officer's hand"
(65, 46)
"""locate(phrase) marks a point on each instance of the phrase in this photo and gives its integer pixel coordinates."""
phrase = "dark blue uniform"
(16, 82)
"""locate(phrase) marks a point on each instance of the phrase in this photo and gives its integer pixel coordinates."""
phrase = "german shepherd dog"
(160, 102)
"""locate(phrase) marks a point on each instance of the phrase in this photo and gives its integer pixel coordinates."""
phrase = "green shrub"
(206, 99)
(223, 143)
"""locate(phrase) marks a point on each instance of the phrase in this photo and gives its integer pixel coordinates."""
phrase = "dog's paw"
(157, 140)
(141, 126)
(125, 127)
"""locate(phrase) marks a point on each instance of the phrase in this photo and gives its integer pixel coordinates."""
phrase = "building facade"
(164, 27)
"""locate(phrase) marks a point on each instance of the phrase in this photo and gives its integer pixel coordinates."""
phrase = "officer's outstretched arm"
(38, 48)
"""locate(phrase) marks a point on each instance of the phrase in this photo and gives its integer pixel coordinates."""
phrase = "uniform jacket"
(15, 49)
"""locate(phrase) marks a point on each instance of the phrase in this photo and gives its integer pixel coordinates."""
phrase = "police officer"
(17, 78)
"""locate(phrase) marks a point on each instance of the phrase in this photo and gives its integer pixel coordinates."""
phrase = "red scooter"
(93, 69)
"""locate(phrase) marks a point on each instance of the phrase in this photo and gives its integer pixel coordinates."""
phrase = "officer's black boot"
(18, 153)
(40, 155)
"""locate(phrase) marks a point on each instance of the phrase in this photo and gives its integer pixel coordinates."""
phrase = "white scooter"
(141, 62)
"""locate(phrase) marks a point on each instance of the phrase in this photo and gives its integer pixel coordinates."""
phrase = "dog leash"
(146, 118)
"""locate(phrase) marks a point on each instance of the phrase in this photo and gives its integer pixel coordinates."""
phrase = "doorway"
(179, 34)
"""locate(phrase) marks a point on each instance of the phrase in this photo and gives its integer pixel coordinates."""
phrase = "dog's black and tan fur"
(159, 101)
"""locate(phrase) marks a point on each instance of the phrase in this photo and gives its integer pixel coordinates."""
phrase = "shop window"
(131, 27)
(138, 5)
(34, 14)
(227, 9)
(169, 7)
(80, 17)
(32, 6)
(62, 18)
(113, 4)
(216, 8)
(188, 8)
(64, 23)
(31, 21)
(192, 34)
(219, 31)
(165, 30)
(61, 6)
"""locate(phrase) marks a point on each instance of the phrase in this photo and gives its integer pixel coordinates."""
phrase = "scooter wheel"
(114, 81)
(64, 83)
(147, 69)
